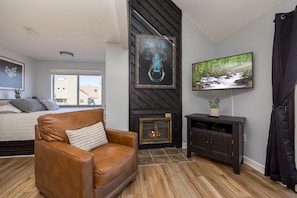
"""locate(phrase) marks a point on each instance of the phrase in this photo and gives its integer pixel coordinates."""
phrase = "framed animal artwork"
(12, 74)
(155, 62)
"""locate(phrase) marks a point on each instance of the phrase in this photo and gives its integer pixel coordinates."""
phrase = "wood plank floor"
(202, 178)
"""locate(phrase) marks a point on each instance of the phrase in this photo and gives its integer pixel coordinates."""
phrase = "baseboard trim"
(252, 163)
(184, 145)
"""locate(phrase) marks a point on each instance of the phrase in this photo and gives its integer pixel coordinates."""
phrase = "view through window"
(77, 90)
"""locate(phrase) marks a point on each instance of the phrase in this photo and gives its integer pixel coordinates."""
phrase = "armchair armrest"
(57, 163)
(128, 138)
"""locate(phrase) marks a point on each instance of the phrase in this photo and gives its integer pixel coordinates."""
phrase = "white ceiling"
(40, 29)
(217, 19)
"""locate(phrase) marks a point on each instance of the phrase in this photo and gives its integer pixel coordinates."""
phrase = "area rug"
(162, 156)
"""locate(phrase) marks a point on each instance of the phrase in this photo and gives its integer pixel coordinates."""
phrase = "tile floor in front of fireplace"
(162, 155)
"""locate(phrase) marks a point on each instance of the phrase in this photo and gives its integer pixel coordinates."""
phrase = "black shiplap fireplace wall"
(165, 17)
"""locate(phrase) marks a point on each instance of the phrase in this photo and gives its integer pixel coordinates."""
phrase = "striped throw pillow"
(89, 137)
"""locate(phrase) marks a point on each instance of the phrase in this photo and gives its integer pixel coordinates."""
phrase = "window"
(77, 89)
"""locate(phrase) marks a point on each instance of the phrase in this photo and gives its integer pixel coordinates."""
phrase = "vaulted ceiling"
(41, 29)
(217, 19)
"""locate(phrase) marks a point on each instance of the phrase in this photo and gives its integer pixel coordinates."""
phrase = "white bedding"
(20, 126)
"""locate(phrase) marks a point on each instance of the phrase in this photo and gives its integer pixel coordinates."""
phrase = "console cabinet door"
(200, 139)
(221, 144)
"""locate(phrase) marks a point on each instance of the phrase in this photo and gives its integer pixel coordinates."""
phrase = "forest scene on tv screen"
(223, 73)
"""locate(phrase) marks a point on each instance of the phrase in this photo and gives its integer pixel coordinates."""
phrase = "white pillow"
(89, 137)
(9, 108)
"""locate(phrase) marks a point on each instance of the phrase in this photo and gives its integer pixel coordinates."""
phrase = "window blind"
(75, 72)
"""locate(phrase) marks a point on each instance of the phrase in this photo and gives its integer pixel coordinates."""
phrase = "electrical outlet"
(244, 137)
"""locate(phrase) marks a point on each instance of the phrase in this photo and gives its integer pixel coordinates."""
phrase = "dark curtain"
(280, 159)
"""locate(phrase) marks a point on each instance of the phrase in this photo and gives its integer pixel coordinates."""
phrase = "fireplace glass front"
(155, 130)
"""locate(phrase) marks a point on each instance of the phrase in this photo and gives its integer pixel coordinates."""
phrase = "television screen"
(230, 72)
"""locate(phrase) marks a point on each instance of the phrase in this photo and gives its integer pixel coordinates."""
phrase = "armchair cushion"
(89, 137)
(112, 160)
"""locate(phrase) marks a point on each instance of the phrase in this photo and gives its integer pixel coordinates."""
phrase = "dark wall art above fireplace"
(155, 62)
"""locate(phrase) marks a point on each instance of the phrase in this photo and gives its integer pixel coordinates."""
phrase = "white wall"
(255, 104)
(117, 87)
(29, 65)
(195, 47)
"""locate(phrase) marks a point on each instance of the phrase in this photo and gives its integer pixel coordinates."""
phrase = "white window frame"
(78, 72)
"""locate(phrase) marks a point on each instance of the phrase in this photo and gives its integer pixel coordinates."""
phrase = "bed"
(17, 131)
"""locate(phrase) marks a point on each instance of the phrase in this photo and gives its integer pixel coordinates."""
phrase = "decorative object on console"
(12, 74)
(214, 105)
(155, 62)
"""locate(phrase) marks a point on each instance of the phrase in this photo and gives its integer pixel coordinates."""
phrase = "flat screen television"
(232, 72)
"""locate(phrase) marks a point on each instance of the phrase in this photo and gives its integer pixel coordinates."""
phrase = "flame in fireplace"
(155, 130)
(154, 134)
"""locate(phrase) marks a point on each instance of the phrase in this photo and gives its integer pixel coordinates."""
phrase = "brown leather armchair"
(62, 170)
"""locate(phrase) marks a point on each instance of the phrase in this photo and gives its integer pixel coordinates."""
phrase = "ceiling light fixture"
(31, 31)
(66, 53)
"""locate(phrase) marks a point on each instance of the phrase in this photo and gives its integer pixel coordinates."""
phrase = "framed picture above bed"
(12, 74)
